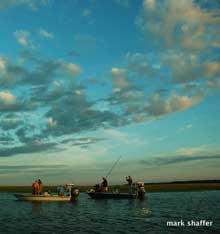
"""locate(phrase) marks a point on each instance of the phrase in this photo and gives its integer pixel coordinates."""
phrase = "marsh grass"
(157, 187)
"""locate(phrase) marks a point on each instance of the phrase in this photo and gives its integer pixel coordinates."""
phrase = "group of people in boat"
(67, 190)
(103, 186)
(37, 187)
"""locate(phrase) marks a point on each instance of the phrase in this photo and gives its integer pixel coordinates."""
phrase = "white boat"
(41, 198)
(61, 197)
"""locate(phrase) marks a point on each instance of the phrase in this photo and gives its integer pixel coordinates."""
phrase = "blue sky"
(83, 82)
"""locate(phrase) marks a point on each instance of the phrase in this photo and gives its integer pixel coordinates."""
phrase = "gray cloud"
(17, 106)
(178, 31)
(83, 140)
(12, 75)
(160, 161)
(62, 103)
(43, 71)
(66, 106)
(7, 124)
(34, 147)
(160, 20)
(140, 65)
(6, 139)
(158, 105)
(74, 114)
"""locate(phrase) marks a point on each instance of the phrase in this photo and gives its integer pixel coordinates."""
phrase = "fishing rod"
(113, 167)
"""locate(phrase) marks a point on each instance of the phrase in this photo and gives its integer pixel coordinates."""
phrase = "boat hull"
(108, 195)
(42, 198)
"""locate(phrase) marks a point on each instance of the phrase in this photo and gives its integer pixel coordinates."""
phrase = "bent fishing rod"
(113, 166)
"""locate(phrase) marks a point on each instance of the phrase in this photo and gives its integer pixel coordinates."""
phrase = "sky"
(83, 83)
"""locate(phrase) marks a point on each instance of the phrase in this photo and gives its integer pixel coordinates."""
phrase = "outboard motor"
(140, 190)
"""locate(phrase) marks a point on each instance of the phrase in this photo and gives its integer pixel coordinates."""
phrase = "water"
(111, 216)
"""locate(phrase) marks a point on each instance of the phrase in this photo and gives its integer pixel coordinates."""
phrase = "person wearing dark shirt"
(105, 184)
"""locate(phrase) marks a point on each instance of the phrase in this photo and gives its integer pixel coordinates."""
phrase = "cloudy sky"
(84, 82)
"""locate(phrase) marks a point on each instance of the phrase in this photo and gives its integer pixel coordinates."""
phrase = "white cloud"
(6, 98)
(23, 38)
(186, 68)
(78, 92)
(10, 103)
(120, 78)
(45, 34)
(119, 73)
(185, 127)
(191, 151)
(139, 63)
(162, 19)
(158, 105)
(123, 138)
(3, 63)
(149, 4)
(72, 68)
(116, 133)
(51, 122)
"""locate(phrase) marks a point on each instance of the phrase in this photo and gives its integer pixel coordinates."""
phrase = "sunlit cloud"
(45, 34)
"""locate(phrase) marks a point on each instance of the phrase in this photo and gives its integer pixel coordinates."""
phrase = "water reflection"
(36, 207)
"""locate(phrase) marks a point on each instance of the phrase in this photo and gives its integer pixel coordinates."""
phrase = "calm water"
(111, 216)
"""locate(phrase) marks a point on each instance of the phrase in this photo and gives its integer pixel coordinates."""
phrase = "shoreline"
(151, 187)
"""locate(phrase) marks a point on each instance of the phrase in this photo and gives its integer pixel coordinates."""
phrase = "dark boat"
(110, 195)
(99, 194)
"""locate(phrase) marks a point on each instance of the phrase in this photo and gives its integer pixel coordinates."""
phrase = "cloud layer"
(46, 101)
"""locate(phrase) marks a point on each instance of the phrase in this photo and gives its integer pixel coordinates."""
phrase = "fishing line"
(113, 167)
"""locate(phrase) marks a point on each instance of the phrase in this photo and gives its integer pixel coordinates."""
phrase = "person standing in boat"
(40, 189)
(130, 182)
(105, 184)
(140, 190)
(35, 187)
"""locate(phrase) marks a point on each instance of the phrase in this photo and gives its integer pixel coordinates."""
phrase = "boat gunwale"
(111, 195)
(42, 198)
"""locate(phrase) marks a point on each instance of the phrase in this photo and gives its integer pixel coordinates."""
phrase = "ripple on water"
(110, 216)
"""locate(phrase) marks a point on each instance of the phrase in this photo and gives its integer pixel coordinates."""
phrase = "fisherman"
(98, 188)
(35, 187)
(74, 193)
(105, 184)
(129, 180)
(40, 186)
(140, 190)
(60, 190)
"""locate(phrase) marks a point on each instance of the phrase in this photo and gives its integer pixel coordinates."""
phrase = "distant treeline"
(185, 182)
(175, 186)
